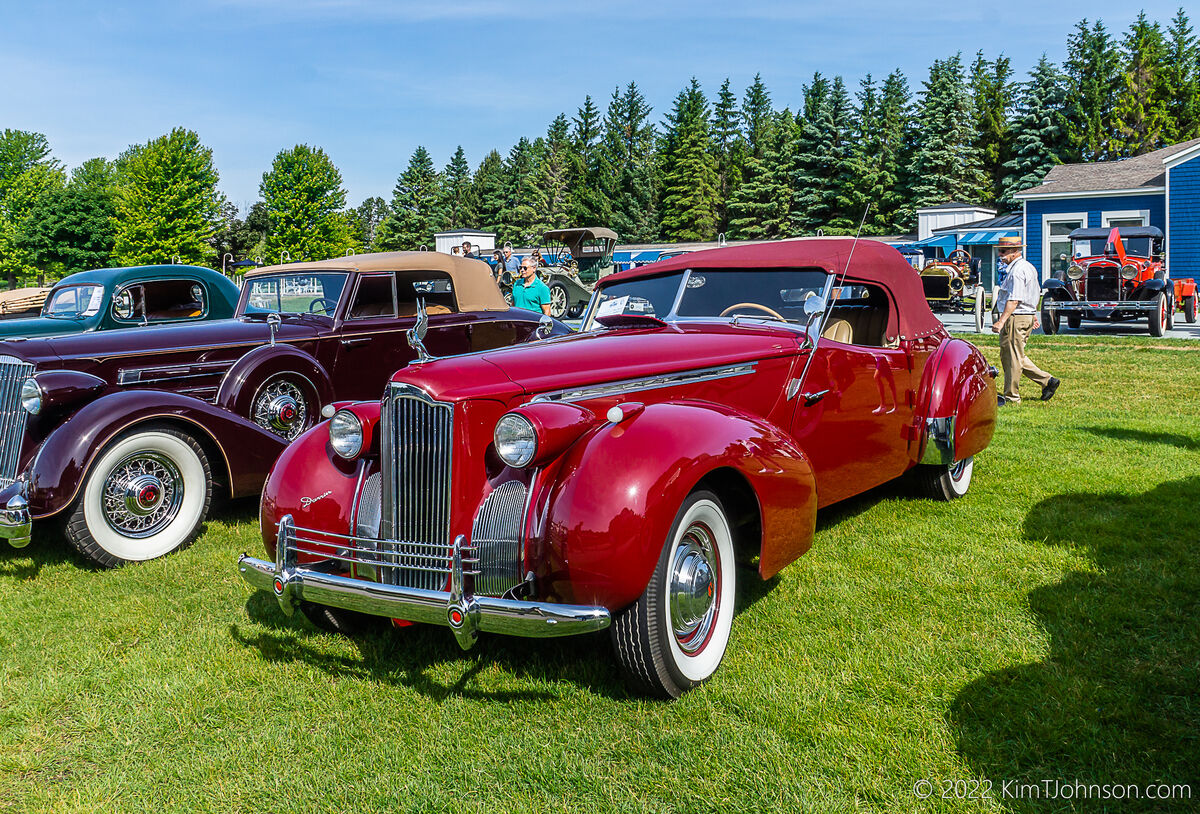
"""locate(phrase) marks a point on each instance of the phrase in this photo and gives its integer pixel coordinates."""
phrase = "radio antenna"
(835, 292)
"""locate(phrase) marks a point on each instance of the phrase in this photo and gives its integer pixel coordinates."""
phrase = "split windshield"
(295, 293)
(74, 302)
(753, 293)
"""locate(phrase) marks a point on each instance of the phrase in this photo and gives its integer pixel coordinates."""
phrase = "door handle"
(360, 340)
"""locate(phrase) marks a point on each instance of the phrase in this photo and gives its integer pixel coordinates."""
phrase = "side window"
(375, 297)
(860, 316)
(161, 301)
(435, 288)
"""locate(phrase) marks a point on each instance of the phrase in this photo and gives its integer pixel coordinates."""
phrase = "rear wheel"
(559, 300)
(1189, 308)
(979, 297)
(945, 482)
(146, 496)
(284, 404)
(674, 636)
(1158, 317)
(1049, 321)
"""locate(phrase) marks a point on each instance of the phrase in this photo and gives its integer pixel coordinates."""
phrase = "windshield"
(295, 293)
(649, 296)
(74, 302)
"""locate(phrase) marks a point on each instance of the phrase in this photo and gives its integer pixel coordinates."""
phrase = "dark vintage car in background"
(712, 404)
(137, 296)
(1117, 274)
(122, 434)
(952, 284)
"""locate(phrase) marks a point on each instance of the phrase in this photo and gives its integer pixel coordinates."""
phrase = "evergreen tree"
(1039, 131)
(689, 170)
(874, 176)
(524, 210)
(897, 137)
(489, 188)
(629, 162)
(1140, 112)
(822, 167)
(167, 204)
(729, 150)
(760, 208)
(457, 204)
(587, 168)
(993, 94)
(1093, 77)
(757, 116)
(304, 200)
(554, 174)
(365, 221)
(416, 211)
(1182, 81)
(946, 163)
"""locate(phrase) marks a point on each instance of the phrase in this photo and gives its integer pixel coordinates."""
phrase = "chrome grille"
(367, 552)
(496, 538)
(13, 372)
(419, 433)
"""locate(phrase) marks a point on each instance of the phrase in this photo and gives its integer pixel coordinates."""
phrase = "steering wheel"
(960, 257)
(738, 305)
(328, 306)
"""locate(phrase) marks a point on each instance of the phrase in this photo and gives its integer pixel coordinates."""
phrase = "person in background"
(468, 250)
(537, 257)
(511, 263)
(456, 251)
(497, 263)
(1018, 303)
(528, 291)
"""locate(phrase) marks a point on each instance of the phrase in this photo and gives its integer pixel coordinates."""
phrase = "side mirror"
(814, 305)
(1063, 257)
(545, 327)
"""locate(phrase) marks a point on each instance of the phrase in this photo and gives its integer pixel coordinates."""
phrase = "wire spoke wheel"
(142, 494)
(281, 407)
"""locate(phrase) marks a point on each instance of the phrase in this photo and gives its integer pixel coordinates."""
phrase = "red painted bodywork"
(603, 495)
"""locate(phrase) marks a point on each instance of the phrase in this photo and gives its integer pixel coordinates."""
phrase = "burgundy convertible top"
(873, 262)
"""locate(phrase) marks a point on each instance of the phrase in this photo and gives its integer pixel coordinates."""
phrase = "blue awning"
(986, 238)
(944, 242)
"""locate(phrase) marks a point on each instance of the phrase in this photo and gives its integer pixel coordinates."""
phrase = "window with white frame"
(1126, 217)
(1056, 246)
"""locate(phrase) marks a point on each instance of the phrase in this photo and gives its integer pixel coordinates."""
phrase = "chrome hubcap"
(694, 587)
(281, 408)
(142, 494)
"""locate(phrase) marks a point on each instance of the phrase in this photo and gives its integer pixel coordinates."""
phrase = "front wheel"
(1158, 317)
(1049, 321)
(979, 297)
(145, 496)
(945, 482)
(674, 636)
(559, 300)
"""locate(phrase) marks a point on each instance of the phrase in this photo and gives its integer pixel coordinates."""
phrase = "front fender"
(957, 389)
(1148, 289)
(1058, 290)
(240, 383)
(58, 469)
(607, 509)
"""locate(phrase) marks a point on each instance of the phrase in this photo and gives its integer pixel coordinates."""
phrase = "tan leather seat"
(409, 309)
(839, 331)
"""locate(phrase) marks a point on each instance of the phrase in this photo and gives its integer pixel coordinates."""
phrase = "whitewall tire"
(946, 482)
(145, 496)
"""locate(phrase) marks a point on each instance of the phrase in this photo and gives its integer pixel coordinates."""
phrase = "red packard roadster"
(610, 479)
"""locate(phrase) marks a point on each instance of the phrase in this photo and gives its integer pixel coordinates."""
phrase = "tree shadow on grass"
(1117, 699)
(1146, 437)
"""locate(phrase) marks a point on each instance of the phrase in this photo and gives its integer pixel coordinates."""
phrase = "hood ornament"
(273, 321)
(416, 334)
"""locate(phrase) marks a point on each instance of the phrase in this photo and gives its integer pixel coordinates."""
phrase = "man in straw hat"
(1018, 302)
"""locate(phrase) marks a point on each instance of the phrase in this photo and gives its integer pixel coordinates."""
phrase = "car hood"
(42, 326)
(132, 341)
(597, 357)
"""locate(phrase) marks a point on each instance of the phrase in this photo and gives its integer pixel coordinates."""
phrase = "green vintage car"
(104, 299)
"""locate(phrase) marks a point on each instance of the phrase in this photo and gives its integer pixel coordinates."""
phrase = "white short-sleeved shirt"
(1022, 285)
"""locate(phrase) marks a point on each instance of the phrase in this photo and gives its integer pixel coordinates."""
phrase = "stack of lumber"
(22, 300)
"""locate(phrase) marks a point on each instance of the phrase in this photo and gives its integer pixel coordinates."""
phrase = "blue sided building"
(1160, 189)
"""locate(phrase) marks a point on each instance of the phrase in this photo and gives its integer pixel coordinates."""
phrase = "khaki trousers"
(1013, 337)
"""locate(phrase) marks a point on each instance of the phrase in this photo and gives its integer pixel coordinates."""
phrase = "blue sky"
(369, 80)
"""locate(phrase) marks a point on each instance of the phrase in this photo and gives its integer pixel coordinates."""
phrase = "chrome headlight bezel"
(1076, 271)
(31, 396)
(516, 440)
(1128, 271)
(346, 434)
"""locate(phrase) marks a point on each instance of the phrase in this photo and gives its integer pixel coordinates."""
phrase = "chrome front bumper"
(465, 614)
(1100, 305)
(15, 524)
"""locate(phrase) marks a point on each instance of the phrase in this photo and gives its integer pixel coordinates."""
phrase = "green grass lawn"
(1045, 627)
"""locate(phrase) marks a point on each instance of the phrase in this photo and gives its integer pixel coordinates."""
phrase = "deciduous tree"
(304, 199)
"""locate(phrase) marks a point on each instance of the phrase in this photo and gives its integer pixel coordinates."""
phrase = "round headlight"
(31, 396)
(345, 434)
(1075, 271)
(516, 440)
(1129, 271)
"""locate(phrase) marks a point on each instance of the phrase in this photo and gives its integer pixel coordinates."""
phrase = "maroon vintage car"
(123, 433)
(712, 404)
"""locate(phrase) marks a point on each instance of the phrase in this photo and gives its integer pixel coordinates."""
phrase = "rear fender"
(243, 379)
(603, 512)
(245, 451)
(956, 405)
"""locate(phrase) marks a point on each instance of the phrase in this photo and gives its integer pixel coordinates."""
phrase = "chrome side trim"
(616, 388)
(939, 441)
(161, 373)
(457, 609)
